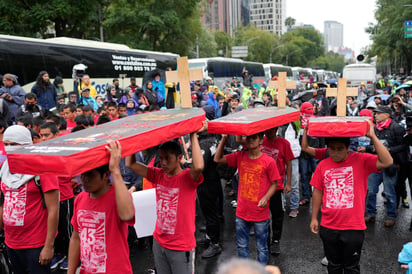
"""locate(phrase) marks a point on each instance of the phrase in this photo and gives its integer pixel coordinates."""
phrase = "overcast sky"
(353, 14)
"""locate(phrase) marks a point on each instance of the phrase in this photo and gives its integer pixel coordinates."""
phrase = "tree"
(301, 46)
(260, 43)
(290, 22)
(223, 42)
(160, 25)
(388, 35)
(44, 17)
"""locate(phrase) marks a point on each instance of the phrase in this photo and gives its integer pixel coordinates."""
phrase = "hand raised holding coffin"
(115, 150)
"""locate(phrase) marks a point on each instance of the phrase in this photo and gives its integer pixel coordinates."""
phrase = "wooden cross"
(281, 85)
(183, 76)
(341, 93)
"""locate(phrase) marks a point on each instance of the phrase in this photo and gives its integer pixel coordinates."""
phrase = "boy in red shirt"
(340, 186)
(258, 176)
(102, 214)
(280, 150)
(69, 112)
(174, 236)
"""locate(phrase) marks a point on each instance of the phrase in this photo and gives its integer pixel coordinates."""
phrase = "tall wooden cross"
(341, 93)
(281, 85)
(183, 76)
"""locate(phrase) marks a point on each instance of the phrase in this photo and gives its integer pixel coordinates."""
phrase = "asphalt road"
(301, 250)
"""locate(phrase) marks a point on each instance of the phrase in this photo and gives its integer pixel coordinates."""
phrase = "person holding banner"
(101, 216)
(174, 236)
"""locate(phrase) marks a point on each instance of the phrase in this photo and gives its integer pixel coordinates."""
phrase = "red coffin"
(253, 120)
(332, 126)
(81, 151)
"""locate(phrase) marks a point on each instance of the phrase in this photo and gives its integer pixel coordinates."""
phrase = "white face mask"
(12, 148)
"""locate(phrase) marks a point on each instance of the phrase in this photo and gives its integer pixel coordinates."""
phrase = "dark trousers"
(209, 195)
(26, 261)
(405, 172)
(65, 229)
(342, 249)
(276, 210)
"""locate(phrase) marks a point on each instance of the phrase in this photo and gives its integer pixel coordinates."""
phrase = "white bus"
(272, 70)
(26, 57)
(224, 69)
(355, 74)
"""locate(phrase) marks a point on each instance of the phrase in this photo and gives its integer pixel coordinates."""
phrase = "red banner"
(84, 150)
(332, 126)
(253, 120)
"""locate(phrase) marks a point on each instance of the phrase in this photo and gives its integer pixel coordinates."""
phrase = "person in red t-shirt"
(50, 131)
(340, 186)
(280, 150)
(69, 112)
(102, 214)
(113, 111)
(258, 177)
(30, 212)
(174, 236)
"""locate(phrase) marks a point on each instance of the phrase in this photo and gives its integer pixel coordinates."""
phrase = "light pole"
(287, 56)
(280, 46)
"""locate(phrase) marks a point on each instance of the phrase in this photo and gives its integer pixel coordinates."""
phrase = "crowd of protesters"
(279, 161)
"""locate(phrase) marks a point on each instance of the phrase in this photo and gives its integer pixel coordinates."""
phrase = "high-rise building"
(227, 15)
(268, 15)
(223, 15)
(333, 35)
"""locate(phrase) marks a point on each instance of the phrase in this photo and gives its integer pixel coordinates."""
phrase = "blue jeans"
(294, 193)
(389, 184)
(261, 236)
(306, 165)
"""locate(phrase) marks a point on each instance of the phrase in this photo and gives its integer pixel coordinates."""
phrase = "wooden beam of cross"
(281, 85)
(183, 76)
(341, 93)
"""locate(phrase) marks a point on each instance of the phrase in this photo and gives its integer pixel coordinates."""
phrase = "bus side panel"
(25, 60)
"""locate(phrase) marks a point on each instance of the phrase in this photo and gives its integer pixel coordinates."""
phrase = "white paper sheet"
(145, 212)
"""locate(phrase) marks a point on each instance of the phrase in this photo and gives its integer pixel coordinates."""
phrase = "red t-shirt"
(344, 187)
(66, 188)
(255, 177)
(70, 125)
(3, 154)
(176, 208)
(103, 236)
(320, 153)
(25, 219)
(281, 151)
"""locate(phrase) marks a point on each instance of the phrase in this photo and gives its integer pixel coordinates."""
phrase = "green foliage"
(387, 34)
(329, 61)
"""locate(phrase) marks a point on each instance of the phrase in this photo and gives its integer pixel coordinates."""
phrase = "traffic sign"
(408, 29)
(408, 23)
(408, 35)
(239, 51)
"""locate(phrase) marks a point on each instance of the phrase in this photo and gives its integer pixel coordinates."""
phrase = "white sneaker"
(324, 261)
(234, 203)
(293, 213)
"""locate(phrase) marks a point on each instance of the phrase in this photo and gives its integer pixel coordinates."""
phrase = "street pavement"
(301, 250)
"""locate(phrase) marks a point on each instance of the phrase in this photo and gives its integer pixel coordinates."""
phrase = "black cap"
(383, 109)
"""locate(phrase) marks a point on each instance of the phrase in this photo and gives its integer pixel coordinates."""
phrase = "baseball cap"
(383, 109)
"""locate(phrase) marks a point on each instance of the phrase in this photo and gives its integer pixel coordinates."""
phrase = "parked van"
(355, 74)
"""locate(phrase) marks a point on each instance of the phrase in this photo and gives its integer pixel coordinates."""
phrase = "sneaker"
(64, 265)
(369, 219)
(58, 259)
(405, 203)
(204, 241)
(234, 203)
(275, 248)
(324, 261)
(293, 213)
(389, 222)
(211, 251)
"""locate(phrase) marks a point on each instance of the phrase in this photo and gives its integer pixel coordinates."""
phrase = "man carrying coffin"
(340, 187)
